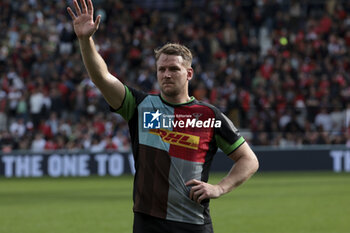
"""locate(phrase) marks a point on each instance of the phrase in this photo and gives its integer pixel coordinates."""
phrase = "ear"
(189, 73)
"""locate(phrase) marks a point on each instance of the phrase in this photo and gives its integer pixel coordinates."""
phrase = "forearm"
(241, 171)
(94, 63)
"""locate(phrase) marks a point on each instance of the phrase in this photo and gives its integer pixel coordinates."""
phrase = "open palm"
(83, 22)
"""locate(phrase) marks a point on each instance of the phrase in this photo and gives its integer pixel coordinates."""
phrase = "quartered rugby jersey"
(172, 144)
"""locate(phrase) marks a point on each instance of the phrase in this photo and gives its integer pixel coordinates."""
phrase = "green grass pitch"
(315, 202)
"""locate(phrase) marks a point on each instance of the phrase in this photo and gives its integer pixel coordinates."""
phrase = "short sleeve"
(227, 137)
(131, 99)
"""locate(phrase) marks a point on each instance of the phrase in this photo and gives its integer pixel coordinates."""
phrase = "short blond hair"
(175, 49)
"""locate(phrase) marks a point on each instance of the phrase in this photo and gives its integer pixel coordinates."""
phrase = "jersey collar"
(177, 104)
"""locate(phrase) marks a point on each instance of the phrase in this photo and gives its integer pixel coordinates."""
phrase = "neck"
(176, 99)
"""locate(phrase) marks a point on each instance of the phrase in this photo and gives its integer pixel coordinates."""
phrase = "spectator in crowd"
(39, 142)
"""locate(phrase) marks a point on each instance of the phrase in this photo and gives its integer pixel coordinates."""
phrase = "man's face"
(173, 75)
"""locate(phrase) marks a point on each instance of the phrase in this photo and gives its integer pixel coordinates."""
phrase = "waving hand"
(83, 19)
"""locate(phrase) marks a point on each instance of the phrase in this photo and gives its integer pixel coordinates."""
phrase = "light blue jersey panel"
(150, 105)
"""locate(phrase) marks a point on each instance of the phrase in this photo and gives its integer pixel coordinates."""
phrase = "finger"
(71, 13)
(197, 194)
(83, 6)
(193, 190)
(77, 8)
(193, 182)
(90, 7)
(201, 198)
(97, 22)
(191, 193)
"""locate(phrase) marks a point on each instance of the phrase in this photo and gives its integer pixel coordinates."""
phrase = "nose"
(167, 74)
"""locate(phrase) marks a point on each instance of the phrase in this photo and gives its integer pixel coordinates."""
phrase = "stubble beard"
(170, 92)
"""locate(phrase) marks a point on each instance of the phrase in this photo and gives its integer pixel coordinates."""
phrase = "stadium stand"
(278, 68)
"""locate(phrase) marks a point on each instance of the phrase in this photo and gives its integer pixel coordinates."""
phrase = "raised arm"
(84, 27)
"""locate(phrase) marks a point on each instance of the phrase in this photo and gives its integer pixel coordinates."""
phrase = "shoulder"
(139, 95)
(226, 122)
(208, 107)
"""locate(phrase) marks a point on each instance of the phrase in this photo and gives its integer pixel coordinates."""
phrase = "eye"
(174, 68)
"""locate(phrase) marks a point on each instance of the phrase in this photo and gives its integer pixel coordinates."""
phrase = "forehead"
(167, 60)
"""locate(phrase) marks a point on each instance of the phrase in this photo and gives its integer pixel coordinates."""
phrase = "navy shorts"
(147, 224)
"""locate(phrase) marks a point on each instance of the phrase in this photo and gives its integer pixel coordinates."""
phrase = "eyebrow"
(170, 67)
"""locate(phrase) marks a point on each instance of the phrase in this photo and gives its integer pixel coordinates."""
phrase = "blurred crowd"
(279, 69)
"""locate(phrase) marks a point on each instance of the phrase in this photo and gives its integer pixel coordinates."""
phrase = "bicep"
(244, 151)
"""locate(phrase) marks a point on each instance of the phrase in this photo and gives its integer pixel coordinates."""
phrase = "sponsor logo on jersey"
(177, 138)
